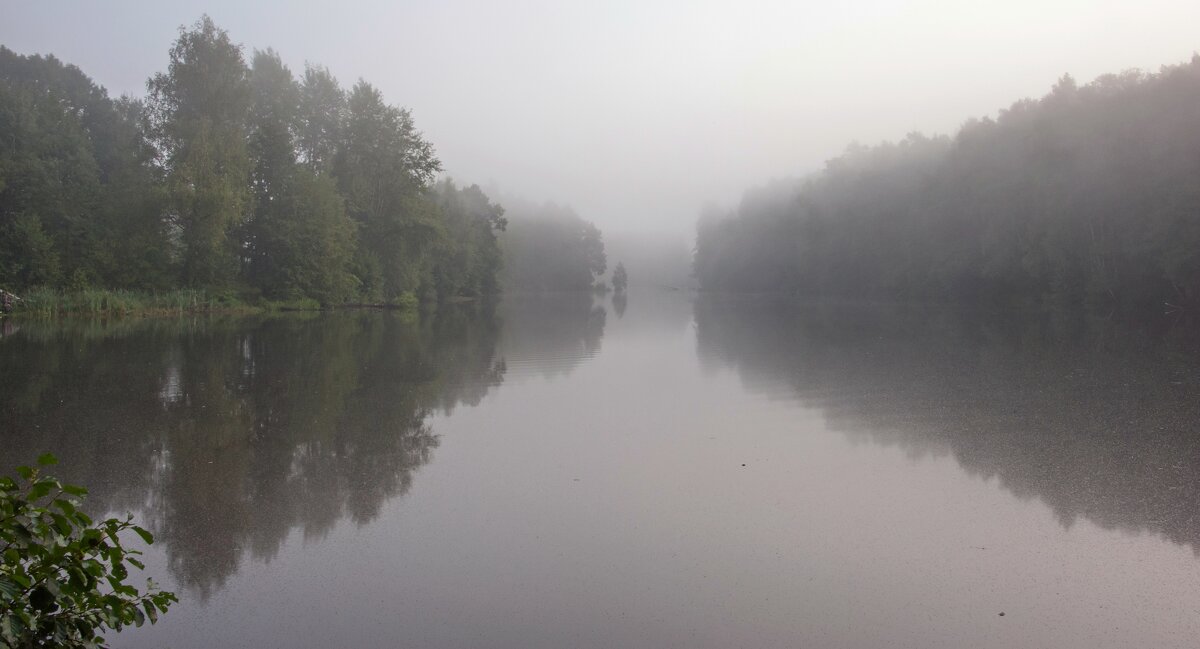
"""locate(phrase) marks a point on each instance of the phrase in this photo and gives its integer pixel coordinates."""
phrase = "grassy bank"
(51, 303)
(46, 303)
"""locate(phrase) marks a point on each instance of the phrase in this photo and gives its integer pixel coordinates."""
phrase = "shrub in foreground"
(62, 575)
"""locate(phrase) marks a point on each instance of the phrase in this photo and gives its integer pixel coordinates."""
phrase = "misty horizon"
(554, 324)
(639, 116)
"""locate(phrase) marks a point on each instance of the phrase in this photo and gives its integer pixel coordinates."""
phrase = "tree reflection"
(620, 302)
(225, 435)
(551, 334)
(1097, 419)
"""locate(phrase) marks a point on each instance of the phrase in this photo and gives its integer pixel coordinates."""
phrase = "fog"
(736, 323)
(636, 114)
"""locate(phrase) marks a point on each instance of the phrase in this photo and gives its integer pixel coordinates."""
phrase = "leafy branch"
(62, 575)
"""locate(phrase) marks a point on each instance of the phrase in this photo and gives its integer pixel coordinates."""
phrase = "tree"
(315, 244)
(62, 575)
(230, 178)
(550, 248)
(383, 170)
(136, 249)
(199, 109)
(80, 198)
(620, 279)
(49, 178)
(468, 257)
(321, 117)
(272, 150)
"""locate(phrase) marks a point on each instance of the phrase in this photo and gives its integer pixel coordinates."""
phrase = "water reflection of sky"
(714, 474)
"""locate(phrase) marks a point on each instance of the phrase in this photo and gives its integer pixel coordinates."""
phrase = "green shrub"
(62, 576)
(406, 300)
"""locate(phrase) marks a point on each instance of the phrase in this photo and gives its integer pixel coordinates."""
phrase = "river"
(662, 470)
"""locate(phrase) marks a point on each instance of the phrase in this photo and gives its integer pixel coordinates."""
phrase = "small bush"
(406, 300)
(62, 576)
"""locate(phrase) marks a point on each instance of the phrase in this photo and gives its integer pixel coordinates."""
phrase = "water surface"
(660, 471)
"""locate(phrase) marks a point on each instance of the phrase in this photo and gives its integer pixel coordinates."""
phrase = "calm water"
(666, 472)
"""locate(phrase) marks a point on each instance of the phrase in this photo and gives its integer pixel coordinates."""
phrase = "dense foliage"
(231, 177)
(63, 576)
(550, 248)
(1091, 192)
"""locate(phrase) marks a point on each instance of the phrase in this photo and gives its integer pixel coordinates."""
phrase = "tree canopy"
(233, 176)
(549, 247)
(1089, 193)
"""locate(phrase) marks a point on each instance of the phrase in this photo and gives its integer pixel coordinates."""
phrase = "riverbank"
(47, 304)
(50, 303)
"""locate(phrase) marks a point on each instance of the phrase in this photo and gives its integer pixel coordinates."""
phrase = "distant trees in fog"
(549, 247)
(1090, 192)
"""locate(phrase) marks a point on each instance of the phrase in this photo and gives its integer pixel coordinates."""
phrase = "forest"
(236, 177)
(548, 247)
(1090, 194)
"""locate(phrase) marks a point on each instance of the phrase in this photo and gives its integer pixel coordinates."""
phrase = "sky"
(639, 113)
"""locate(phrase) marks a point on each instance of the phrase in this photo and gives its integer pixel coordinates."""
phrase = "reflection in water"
(1094, 418)
(224, 435)
(620, 302)
(640, 488)
(550, 335)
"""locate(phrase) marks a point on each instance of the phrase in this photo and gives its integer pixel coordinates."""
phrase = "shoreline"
(48, 304)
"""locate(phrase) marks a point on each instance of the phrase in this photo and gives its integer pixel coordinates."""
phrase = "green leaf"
(78, 578)
(74, 490)
(40, 489)
(151, 611)
(11, 629)
(63, 524)
(9, 587)
(47, 459)
(94, 568)
(146, 536)
(65, 505)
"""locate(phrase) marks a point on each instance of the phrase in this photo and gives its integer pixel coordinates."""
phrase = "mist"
(638, 114)
(565, 324)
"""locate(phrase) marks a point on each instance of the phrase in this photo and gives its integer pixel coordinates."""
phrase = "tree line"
(232, 176)
(1091, 193)
(549, 247)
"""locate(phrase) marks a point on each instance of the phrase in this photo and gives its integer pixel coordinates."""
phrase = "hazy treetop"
(637, 113)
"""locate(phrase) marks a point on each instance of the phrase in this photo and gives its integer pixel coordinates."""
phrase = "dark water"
(665, 472)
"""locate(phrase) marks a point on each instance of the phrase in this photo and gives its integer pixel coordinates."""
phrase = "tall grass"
(52, 303)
